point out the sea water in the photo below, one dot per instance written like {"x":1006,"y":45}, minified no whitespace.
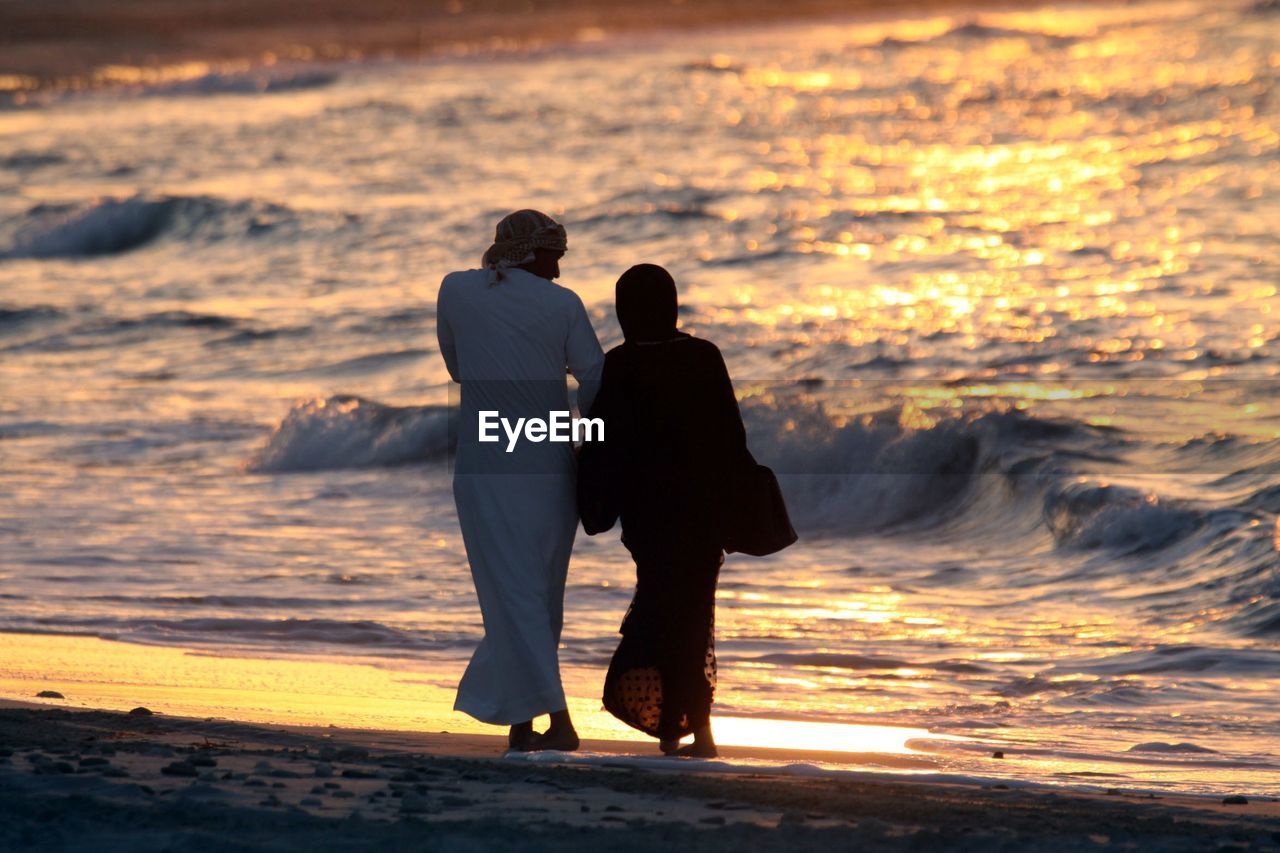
{"x":998,"y":291}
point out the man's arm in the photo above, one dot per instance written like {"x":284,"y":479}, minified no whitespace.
{"x":583,"y":355}
{"x":444,"y":334}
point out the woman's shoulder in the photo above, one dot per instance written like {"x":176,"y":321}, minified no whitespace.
{"x":617,"y":356}
{"x":701,"y":349}
{"x":686,"y":350}
{"x":683,"y":344}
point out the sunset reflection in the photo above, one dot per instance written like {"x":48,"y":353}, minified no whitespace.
{"x":819,"y":737}
{"x":997,"y":289}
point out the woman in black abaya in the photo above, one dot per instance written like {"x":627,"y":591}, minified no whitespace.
{"x":674,"y":449}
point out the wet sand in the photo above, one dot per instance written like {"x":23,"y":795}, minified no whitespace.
{"x":78,"y":779}
{"x":89,"y":42}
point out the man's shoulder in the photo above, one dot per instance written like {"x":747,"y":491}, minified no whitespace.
{"x":461,"y":278}
{"x":561,"y":293}
{"x":565,"y":300}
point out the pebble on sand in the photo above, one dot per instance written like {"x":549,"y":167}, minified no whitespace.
{"x":49,"y":694}
{"x":180,"y":768}
{"x":1235,"y":800}
{"x":141,"y":712}
{"x":997,"y":754}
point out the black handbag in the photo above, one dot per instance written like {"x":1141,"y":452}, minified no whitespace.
{"x":758,"y":520}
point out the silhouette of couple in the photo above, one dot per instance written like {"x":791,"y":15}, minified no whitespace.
{"x":673,"y":455}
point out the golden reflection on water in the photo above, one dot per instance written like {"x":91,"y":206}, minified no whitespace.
{"x":1055,"y":186}
{"x":827,"y":737}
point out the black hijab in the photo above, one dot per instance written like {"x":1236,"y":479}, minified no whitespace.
{"x":646,"y":304}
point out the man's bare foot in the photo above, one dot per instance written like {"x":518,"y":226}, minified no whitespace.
{"x":521,"y":736}
{"x":563,"y":740}
{"x":560,"y":736}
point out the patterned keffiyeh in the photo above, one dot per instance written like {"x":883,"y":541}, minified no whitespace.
{"x":518,"y":234}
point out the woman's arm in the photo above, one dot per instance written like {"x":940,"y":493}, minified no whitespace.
{"x":600,"y":474}
{"x":730,"y":433}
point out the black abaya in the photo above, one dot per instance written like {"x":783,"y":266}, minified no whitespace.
{"x":674,"y":449}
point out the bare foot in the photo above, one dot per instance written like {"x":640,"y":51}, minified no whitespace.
{"x":698,"y":749}
{"x":521,"y":737}
{"x":669,"y":747}
{"x":560,"y":741}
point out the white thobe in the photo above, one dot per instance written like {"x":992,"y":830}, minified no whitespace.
{"x":509,"y":345}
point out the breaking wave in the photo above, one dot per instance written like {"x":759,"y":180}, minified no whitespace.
{"x":113,"y":226}
{"x":1005,"y":471}
{"x":349,"y":432}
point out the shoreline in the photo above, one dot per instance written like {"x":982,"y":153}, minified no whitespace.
{"x":371,"y":695}
{"x":100,"y":43}
{"x":115,"y":781}
{"x":384,"y":702}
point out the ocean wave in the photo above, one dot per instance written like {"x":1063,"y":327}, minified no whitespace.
{"x":245,"y":602}
{"x":243,"y":631}
{"x":866,"y":475}
{"x":832,"y":660}
{"x":1186,"y":659}
{"x":1006,"y":475}
{"x":974,"y":30}
{"x":1000,"y":473}
{"x":162,"y":319}
{"x":105,"y":227}
{"x":113,"y":226}
{"x":28,"y":429}
{"x":634,"y":216}
{"x":11,"y":318}
{"x":26,"y":161}
{"x":1265,"y":620}
{"x":349,"y":432}
{"x":1183,"y":748}
{"x":1089,"y":515}
{"x":108,"y":331}
{"x":255,"y":82}
{"x":366,"y":363}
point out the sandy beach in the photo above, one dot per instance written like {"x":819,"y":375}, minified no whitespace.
{"x":75,"y":779}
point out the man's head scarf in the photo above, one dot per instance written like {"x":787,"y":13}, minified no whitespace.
{"x":517,"y":235}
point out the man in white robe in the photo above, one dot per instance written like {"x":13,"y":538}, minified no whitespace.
{"x":507,"y":334}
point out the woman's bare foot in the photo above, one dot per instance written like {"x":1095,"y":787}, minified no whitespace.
{"x":698,"y":750}
{"x":521,"y":736}
{"x":669,"y":747}
{"x":703,"y":746}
